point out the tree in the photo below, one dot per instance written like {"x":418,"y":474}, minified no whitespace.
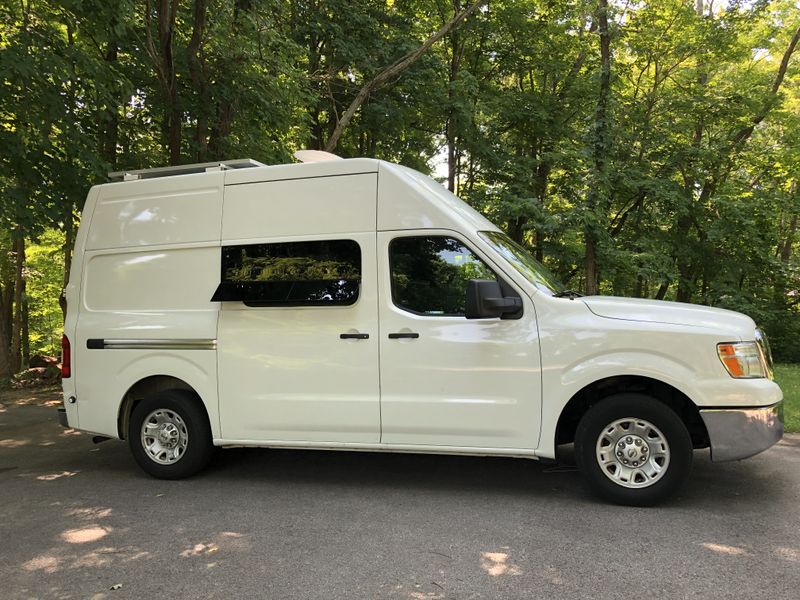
{"x":645,"y":149}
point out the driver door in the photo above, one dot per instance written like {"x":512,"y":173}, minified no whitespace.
{"x":446,"y":380}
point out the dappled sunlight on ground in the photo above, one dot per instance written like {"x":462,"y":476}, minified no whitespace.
{"x":85,"y":535}
{"x":13,"y":443}
{"x":426,"y":596}
{"x":64,"y":556}
{"x":497,"y":564}
{"x":44,"y":562}
{"x":40,"y":396}
{"x":790,"y":554}
{"x":54,"y":476}
{"x":552,"y":575}
{"x":105,"y":556}
{"x":416,"y":593}
{"x":57,"y":560}
{"x":724,"y":549}
{"x":199,"y":549}
{"x":92,"y":513}
{"x":80,"y":519}
{"x":226,"y":540}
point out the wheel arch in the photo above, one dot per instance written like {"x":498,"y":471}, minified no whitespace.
{"x":145,"y":387}
{"x":595,"y":392}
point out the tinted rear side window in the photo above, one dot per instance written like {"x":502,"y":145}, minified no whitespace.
{"x":317,"y":273}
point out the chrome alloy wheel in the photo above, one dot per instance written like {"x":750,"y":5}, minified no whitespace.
{"x":164,"y":436}
{"x":632,"y":452}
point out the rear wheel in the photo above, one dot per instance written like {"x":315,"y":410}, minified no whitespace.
{"x":169,"y":435}
{"x":633,"y":449}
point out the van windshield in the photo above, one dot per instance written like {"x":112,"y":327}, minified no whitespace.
{"x":523,"y":261}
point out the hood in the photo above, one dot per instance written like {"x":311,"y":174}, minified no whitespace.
{"x":726,"y":322}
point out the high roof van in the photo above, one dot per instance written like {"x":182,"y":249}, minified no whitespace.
{"x":357,"y":304}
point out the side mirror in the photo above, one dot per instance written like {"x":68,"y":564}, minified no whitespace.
{"x":485,"y":300}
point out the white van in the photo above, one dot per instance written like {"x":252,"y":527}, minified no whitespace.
{"x":358,"y":305}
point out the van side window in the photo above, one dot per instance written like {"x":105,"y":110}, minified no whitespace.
{"x":430,"y":274}
{"x":317,"y":273}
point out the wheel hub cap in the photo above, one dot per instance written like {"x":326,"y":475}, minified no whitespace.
{"x":164,"y":436}
{"x":632,"y":452}
{"x":168,"y":435}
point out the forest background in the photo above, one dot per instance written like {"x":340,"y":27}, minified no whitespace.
{"x":638,"y":148}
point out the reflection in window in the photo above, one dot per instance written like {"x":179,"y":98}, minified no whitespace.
{"x":292,"y":273}
{"x":430,"y":274}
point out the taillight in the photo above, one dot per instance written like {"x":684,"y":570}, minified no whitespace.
{"x":66,"y":358}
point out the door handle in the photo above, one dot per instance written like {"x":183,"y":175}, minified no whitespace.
{"x":400,"y":336}
{"x":353,"y":336}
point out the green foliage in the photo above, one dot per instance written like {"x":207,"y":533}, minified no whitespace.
{"x":788,"y":377}
{"x":686,"y":181}
{"x":45,"y":276}
{"x":293,"y":268}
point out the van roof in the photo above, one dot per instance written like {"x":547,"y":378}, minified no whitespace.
{"x":156,"y":172}
{"x":246,"y":170}
{"x":327,"y":168}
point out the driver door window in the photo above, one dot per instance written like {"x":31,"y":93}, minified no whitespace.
{"x":430,"y":274}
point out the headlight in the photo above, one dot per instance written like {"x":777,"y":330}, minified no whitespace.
{"x":743,"y":360}
{"x":766,"y":352}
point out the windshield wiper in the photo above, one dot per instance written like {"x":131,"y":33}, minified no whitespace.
{"x":571,"y":294}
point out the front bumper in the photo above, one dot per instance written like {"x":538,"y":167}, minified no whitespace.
{"x":736,"y":433}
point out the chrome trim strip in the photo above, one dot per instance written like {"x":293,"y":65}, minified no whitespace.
{"x":737,"y":433}
{"x":163,"y":344}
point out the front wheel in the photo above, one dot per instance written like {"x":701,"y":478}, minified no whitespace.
{"x":633,"y":450}
{"x":169,"y":435}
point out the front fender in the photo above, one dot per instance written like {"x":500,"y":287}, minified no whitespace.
{"x":560,"y":386}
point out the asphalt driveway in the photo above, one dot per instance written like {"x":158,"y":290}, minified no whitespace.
{"x":78,"y":519}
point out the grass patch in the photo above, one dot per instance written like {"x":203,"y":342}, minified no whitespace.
{"x":788,"y":377}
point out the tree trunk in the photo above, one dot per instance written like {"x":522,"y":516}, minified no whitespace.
{"x":394,"y":70}
{"x":166,"y":29}
{"x":5,"y":353}
{"x":590,"y":260}
{"x":19,"y":295}
{"x":69,"y":232}
{"x":542,"y":178}
{"x":221,"y":130}
{"x":197,"y":73}
{"x":597,"y":196}
{"x":516,"y":228}
{"x":785,"y":254}
{"x":6,"y":307}
{"x":786,"y":248}
{"x":109,"y":116}
{"x":26,"y":334}
{"x":7,"y":316}
{"x":638,"y":290}
{"x":457,"y":52}
{"x":162,"y":57}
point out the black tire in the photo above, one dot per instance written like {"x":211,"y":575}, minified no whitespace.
{"x":185,"y":409}
{"x":653,"y":487}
